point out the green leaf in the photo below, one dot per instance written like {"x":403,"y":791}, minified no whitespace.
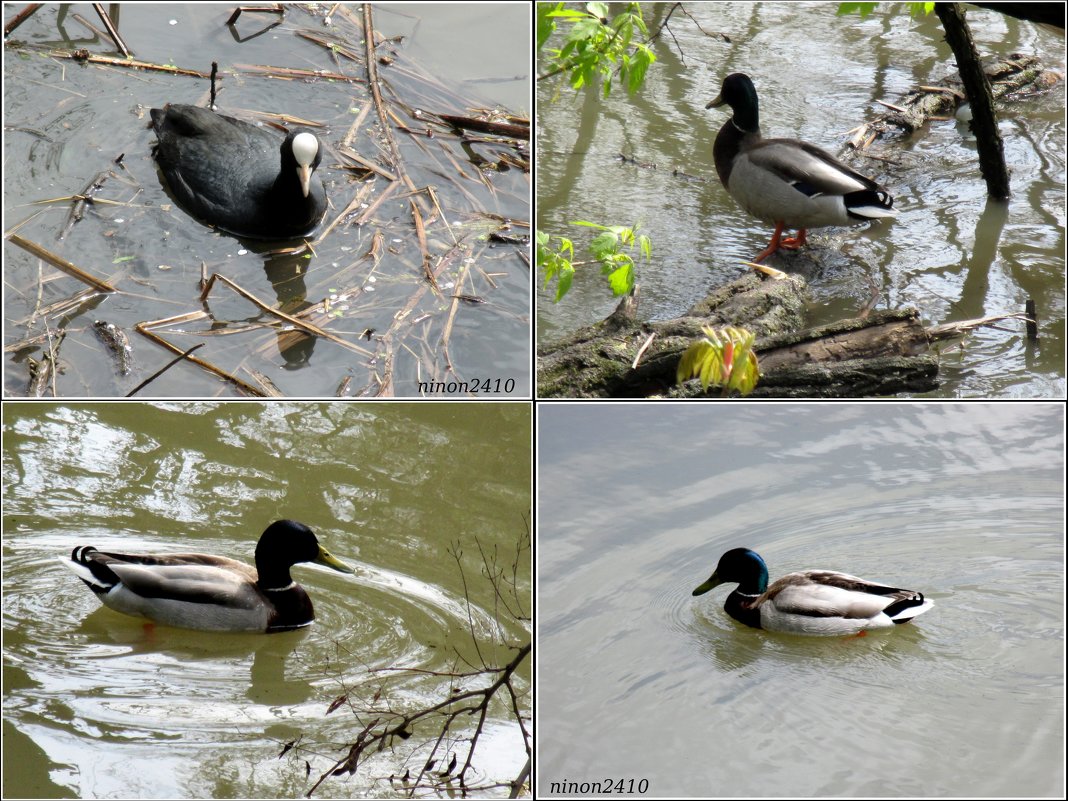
{"x":622,"y":280}
{"x":564,"y":284}
{"x":599,"y":10}
{"x":864,"y":9}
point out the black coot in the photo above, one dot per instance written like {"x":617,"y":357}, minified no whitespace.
{"x":227,"y":173}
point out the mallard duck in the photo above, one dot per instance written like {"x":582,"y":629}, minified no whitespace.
{"x":819,"y":602}
{"x":789,"y":183}
{"x":210,"y":593}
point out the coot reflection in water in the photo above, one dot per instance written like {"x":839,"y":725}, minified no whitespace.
{"x":227,"y":173}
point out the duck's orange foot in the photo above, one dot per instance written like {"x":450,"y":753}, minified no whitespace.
{"x":795,"y":242}
{"x":778,"y":243}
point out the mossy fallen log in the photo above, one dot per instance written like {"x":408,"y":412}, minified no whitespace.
{"x":622,"y":357}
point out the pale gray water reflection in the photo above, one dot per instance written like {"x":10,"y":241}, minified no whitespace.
{"x":639,"y":680}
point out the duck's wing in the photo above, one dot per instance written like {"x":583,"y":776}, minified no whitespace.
{"x":193,"y":578}
{"x":825,"y":593}
{"x":813,"y":169}
{"x":198,"y":584}
{"x":829,"y":187}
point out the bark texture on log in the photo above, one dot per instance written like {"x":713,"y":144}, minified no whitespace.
{"x":620,"y":357}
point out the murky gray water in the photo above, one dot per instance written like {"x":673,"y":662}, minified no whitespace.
{"x":639,"y":680}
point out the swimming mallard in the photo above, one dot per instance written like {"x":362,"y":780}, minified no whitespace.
{"x":820,"y":602}
{"x":789,"y":183}
{"x":211,"y":593}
